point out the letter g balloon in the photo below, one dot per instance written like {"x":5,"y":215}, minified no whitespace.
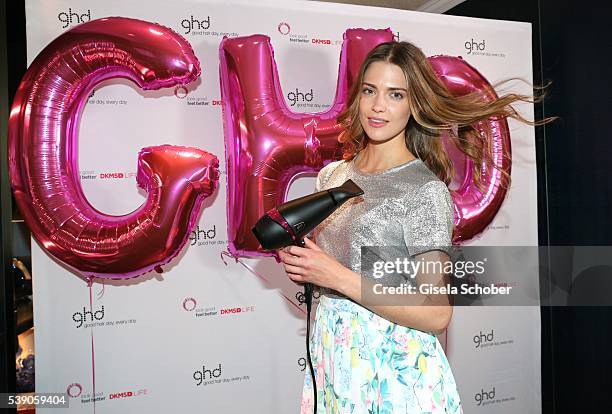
{"x":43,"y":138}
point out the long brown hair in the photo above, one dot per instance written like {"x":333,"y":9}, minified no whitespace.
{"x":433,"y":110}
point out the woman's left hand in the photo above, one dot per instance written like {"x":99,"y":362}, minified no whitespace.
{"x":311,"y":264}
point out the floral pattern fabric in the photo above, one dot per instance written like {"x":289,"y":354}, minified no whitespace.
{"x":365,"y":364}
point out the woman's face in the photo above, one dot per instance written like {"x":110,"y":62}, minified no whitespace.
{"x":383,"y":106}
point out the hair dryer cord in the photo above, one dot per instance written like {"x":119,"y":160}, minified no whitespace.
{"x":308,"y":299}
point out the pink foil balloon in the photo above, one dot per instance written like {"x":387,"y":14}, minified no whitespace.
{"x":43,"y":138}
{"x":475,"y":210}
{"x":266,"y":144}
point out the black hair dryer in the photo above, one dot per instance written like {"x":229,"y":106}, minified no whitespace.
{"x":290,"y":222}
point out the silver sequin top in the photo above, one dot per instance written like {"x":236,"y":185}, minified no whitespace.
{"x":407,"y":205}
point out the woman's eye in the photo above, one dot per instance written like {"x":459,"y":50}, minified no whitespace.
{"x":397,"y":95}
{"x":367,"y":91}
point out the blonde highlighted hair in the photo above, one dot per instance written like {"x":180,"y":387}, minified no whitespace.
{"x":434,"y":110}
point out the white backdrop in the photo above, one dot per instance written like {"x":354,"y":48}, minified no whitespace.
{"x":154,"y":337}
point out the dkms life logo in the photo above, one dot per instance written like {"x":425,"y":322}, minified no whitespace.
{"x":72,"y":17}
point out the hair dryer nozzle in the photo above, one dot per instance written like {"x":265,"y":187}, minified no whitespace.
{"x":347,"y":190}
{"x":270,"y":233}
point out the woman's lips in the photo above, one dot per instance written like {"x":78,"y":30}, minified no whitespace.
{"x":376,"y":123}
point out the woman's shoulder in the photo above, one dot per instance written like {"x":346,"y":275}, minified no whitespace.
{"x":427,"y":188}
{"x":420,"y":174}
{"x":435,"y":189}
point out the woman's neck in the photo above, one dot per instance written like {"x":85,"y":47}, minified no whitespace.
{"x":380,"y":157}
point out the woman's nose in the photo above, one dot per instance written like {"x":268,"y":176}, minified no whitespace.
{"x":379,"y":103}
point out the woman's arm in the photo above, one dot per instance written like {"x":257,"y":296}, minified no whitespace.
{"x":428,"y":313}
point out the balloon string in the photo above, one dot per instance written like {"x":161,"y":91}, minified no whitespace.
{"x":266,"y":281}
{"x":101,"y":293}
{"x":93,"y":362}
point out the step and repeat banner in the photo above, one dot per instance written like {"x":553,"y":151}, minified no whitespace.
{"x":213,"y":334}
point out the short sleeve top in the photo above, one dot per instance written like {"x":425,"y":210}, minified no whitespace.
{"x":407,"y":205}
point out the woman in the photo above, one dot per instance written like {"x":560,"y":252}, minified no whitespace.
{"x":369,"y":356}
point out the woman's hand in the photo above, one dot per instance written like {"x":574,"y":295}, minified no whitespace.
{"x":311,"y":264}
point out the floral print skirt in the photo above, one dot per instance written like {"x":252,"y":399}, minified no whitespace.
{"x":367,"y":365}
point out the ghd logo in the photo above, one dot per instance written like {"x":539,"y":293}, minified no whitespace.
{"x":73,"y":17}
{"x":204,"y":374}
{"x":297,"y":96}
{"x":473,"y":46}
{"x":194,"y":24}
{"x":87,"y":316}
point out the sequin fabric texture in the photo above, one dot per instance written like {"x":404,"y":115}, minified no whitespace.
{"x":364,"y":363}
